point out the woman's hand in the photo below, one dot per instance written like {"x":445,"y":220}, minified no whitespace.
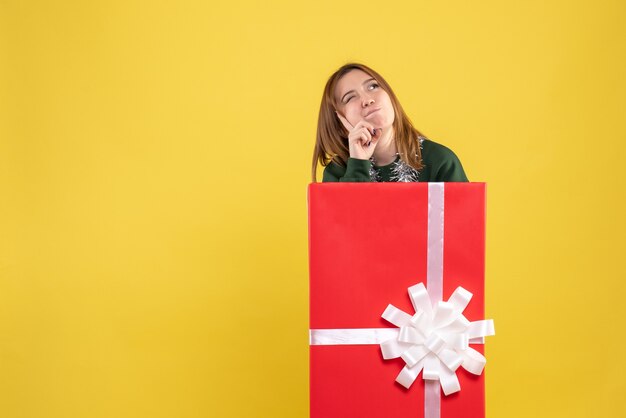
{"x":362,"y":138}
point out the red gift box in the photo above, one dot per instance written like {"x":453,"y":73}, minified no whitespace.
{"x":368,"y":243}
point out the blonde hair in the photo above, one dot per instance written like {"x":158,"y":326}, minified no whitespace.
{"x":331,"y":143}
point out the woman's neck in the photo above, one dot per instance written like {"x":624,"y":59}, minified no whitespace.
{"x":385,"y":152}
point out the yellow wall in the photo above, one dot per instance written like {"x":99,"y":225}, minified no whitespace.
{"x":154,"y":158}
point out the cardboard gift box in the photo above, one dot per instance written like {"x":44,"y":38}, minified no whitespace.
{"x":368,"y":244}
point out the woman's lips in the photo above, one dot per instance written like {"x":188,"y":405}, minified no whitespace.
{"x":372,"y":112}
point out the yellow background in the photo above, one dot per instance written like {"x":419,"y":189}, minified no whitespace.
{"x":154,"y":158}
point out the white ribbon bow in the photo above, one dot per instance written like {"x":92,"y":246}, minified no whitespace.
{"x":436,"y":341}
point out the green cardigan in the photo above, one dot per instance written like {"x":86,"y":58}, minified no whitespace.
{"x":440,"y":164}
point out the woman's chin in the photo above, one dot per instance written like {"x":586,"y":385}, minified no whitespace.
{"x":378,"y":121}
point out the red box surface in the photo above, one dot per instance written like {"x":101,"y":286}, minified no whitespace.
{"x":367,"y":246}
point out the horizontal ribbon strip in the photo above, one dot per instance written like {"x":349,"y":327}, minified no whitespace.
{"x":351,"y":336}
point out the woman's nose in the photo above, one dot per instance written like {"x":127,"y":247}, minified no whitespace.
{"x":368,"y":101}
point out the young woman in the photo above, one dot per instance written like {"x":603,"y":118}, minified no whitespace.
{"x":363,"y":135}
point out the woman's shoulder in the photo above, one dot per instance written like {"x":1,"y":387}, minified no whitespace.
{"x":440,"y":163}
{"x":435,"y":152}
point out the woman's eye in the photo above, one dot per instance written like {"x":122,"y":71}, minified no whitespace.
{"x":373,"y":85}
{"x":349,"y":98}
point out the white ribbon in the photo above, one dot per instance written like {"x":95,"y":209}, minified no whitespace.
{"x":435,"y":340}
{"x":434,"y":280}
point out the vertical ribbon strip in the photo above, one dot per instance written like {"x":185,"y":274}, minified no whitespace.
{"x":434,"y":266}
{"x":434,"y":281}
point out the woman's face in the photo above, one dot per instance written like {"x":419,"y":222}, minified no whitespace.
{"x":359,"y":97}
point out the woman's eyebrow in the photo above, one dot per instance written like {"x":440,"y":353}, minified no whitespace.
{"x":352,"y":91}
